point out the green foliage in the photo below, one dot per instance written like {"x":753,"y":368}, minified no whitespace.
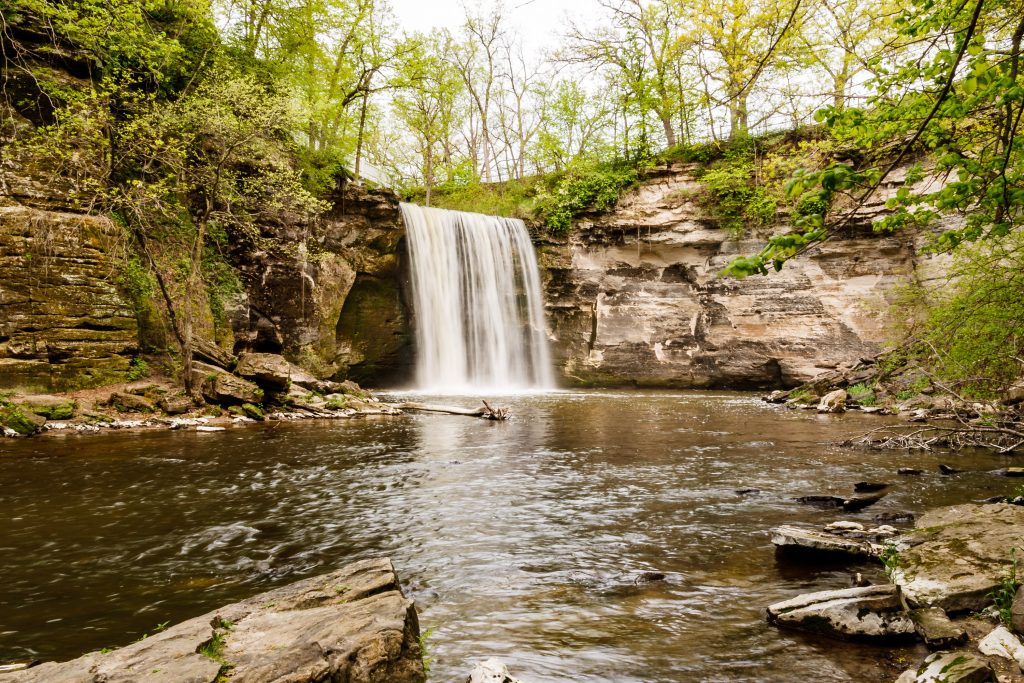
{"x":890,"y":557}
{"x":137,"y":369}
{"x":1002,"y":597}
{"x":428,"y":659}
{"x":582,"y":189}
{"x":735,"y":200}
{"x":969,"y":332}
{"x":862,"y":394}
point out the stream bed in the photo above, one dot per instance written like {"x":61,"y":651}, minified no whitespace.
{"x":521,"y":540}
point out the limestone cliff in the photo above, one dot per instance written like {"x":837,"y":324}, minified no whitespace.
{"x":634,"y":297}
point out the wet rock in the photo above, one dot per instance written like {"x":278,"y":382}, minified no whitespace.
{"x":789,"y":538}
{"x":124,"y":402}
{"x":351,"y":625}
{"x":1017,"y":611}
{"x":649,"y":577}
{"x":833,"y":402}
{"x":957,"y":555}
{"x":1015,"y":471}
{"x":821,"y":501}
{"x":873,"y":612}
{"x":947,"y":470}
{"x":869,"y":487}
{"x":268,"y":370}
{"x":893,"y":517}
{"x":908,"y":472}
{"x":747,"y":492}
{"x":952,"y":667}
{"x":855,"y":503}
{"x":491,"y":671}
{"x":935,"y":628}
{"x":1001,"y":643}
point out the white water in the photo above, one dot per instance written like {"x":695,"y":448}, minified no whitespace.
{"x":477,"y":303}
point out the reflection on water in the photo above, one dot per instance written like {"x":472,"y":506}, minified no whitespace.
{"x":521,"y":540}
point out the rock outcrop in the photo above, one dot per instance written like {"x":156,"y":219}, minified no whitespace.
{"x":351,"y":625}
{"x":634,"y":298}
{"x":957,"y":556}
{"x":870,"y":612}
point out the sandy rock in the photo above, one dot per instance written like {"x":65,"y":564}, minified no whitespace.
{"x":350,"y":625}
{"x":957,"y":555}
{"x":130,"y":403}
{"x":225,"y":388}
{"x":49,"y":406}
{"x":175,"y":405}
{"x":833,"y":402}
{"x":874,"y":612}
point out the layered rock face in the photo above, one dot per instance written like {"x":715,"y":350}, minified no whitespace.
{"x":63,"y":322}
{"x":329,"y":294}
{"x":634,"y":296}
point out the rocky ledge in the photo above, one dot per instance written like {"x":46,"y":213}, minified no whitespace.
{"x":352,"y":625}
{"x":955,"y":586}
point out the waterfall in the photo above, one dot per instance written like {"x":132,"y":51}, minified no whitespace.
{"x":477,"y":302}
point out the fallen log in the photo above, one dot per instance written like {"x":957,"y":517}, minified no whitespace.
{"x":485,"y":411}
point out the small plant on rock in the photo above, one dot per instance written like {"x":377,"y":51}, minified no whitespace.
{"x":890,"y":557}
{"x":1002,"y":596}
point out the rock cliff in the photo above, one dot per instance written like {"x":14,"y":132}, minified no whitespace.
{"x":634,"y":297}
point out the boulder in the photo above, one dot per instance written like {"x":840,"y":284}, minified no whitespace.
{"x":351,"y":625}
{"x":491,"y":671}
{"x":1017,"y":611}
{"x":49,"y":406}
{"x":123,"y":402}
{"x":175,"y":405}
{"x":17,"y":420}
{"x":789,"y":538}
{"x":208,"y":352}
{"x":956,"y":556}
{"x":226,"y":388}
{"x":268,"y":370}
{"x":935,"y":628}
{"x":1001,"y":643}
{"x":871,"y":612}
{"x":833,"y":402}
{"x":953,"y":667}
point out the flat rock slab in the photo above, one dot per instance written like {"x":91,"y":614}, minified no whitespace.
{"x":1001,"y":643}
{"x":791,"y":538}
{"x":351,"y":625}
{"x":957,"y":555}
{"x":936,"y":629}
{"x":871,"y":612}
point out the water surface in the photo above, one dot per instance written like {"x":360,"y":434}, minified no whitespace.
{"x":520,"y":540}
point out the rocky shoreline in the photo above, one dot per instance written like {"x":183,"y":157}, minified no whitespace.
{"x":953,"y":585}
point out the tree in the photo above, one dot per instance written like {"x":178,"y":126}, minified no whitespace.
{"x":429,"y":105}
{"x":739,"y":43}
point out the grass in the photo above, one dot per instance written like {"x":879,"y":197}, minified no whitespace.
{"x":1002,"y":597}
{"x":428,"y":659}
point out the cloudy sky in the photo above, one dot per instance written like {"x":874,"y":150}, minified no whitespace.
{"x":539,"y":22}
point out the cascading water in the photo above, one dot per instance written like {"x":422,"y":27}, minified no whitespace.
{"x":477,"y":302}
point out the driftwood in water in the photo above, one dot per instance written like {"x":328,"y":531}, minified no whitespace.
{"x":485,"y":411}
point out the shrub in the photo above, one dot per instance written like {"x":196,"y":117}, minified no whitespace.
{"x":735,"y":200}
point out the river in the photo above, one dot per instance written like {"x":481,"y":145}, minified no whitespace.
{"x":521,"y":540}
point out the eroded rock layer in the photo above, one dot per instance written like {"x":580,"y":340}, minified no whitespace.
{"x":634,"y":296}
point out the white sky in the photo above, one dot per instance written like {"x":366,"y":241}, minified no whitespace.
{"x":538,"y":22}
